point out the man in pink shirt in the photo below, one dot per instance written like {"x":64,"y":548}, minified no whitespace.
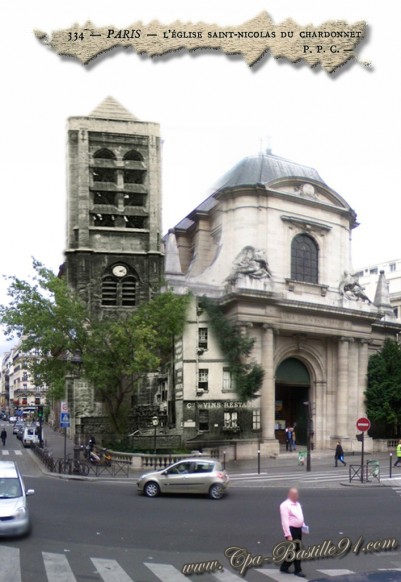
{"x":292,"y":522}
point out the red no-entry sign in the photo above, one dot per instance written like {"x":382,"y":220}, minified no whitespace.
{"x":363,"y":424}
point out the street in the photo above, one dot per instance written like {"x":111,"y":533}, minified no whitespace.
{"x":85,"y":530}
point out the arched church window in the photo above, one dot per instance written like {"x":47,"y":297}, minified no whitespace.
{"x":104,"y":154}
{"x":304,"y":259}
{"x":133,"y":156}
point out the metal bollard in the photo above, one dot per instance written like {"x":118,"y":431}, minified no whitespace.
{"x":224,"y":459}
{"x":391,"y":465}
{"x":258,"y":461}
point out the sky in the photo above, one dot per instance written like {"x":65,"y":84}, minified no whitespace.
{"x":213,"y":111}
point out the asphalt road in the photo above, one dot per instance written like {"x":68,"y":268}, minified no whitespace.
{"x":76,"y":523}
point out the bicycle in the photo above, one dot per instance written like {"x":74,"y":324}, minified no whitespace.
{"x":73,"y":466}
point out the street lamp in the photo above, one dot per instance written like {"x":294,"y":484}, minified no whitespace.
{"x":308,"y":435}
{"x":155,"y":422}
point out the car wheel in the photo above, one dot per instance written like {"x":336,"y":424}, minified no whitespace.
{"x":151,"y":489}
{"x":216,"y":491}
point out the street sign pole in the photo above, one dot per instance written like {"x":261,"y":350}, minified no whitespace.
{"x":65,"y":444}
{"x":362,"y":424}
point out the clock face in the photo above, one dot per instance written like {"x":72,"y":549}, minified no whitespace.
{"x":119,"y":271}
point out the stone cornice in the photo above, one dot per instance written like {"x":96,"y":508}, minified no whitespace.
{"x":305,"y":224}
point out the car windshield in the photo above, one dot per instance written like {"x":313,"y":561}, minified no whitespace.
{"x":10,"y":488}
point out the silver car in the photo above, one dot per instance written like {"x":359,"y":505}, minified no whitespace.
{"x":195,"y":475}
{"x":14,"y":513}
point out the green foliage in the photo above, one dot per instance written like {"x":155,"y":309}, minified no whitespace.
{"x":383,"y":394}
{"x":236,"y":347}
{"x":113,"y":354}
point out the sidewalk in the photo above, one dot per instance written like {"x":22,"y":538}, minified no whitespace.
{"x":54,"y":441}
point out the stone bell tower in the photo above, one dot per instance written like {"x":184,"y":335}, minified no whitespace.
{"x":113,"y":252}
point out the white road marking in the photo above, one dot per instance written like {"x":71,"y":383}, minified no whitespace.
{"x":57,"y":568}
{"x":226,"y":576}
{"x":5,"y":453}
{"x":18,"y":452}
{"x":10,"y":564}
{"x":338,"y":572}
{"x":110,"y":570}
{"x":167,"y":573}
{"x":279,"y":576}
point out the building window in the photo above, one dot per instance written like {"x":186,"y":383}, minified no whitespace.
{"x":231,"y":419}
{"x":109,"y":291}
{"x":104,"y":175}
{"x":393,"y":267}
{"x":104,"y":154}
{"x":134,"y":199}
{"x":304,"y":259}
{"x":228,"y":382}
{"x":133,"y":156}
{"x":359,"y":274}
{"x":202,"y":338}
{"x":134,"y":176}
{"x":374,"y":271}
{"x":135,"y":221}
{"x":37,"y":400}
{"x":203,"y":379}
{"x":396,"y":312}
{"x":203,"y":420}
{"x":256,"y":419}
{"x":103,"y":197}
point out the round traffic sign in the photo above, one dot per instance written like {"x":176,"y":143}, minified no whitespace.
{"x":363,"y":424}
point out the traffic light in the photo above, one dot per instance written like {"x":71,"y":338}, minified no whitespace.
{"x":40,"y":412}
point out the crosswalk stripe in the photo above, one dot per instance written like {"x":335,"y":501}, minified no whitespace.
{"x":110,"y":570}
{"x":277,"y":575}
{"x":5,"y":453}
{"x":338,"y":572}
{"x":57,"y":568}
{"x":167,"y":573}
{"x":226,"y":576}
{"x":10,"y":564}
{"x":18,"y":452}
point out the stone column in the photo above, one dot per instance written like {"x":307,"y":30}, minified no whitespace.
{"x":268,"y":392}
{"x":342,"y":388}
{"x":362,"y":376}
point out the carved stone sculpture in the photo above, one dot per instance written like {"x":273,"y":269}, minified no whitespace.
{"x":252,"y":263}
{"x":350,"y":288}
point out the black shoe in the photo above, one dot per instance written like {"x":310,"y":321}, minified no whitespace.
{"x":300,"y":574}
{"x":284,"y":570}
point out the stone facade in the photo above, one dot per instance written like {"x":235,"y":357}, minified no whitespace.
{"x":272,"y":245}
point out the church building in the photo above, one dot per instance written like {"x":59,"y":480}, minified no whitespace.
{"x":272,"y":246}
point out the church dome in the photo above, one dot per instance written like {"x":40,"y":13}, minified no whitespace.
{"x":265,"y":169}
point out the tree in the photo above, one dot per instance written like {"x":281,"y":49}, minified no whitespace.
{"x":113,"y":354}
{"x":383,"y":394}
{"x":236,"y":347}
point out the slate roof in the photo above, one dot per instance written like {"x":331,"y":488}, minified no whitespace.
{"x":261,"y":169}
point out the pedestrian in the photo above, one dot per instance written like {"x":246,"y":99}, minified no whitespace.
{"x":339,"y":455}
{"x":3,"y":436}
{"x":398,"y":453}
{"x":292,"y":522}
{"x":288,"y":437}
{"x":294,"y":440}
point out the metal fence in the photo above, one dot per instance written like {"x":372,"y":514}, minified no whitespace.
{"x":365,"y":473}
{"x":71,"y":466}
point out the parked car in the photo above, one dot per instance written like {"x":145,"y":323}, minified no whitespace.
{"x":12,"y":419}
{"x":17,"y":426}
{"x":14,"y":513}
{"x":20,"y":432}
{"x":30,"y":435}
{"x":194,"y":475}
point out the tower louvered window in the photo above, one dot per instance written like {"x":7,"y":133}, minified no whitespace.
{"x":109,"y":291}
{"x":128,"y":291}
